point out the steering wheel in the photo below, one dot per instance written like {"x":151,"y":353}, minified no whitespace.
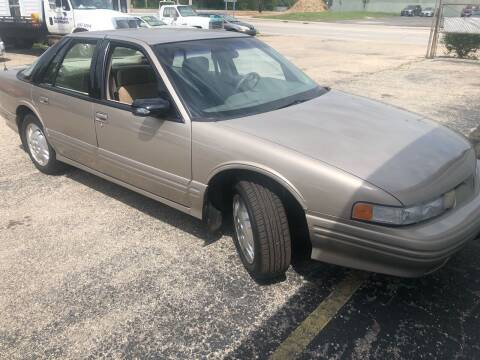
{"x":248,"y":82}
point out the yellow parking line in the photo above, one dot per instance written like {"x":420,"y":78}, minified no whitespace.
{"x":299,"y":339}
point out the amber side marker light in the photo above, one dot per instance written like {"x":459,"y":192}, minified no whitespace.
{"x":35,"y":18}
{"x":362,"y":212}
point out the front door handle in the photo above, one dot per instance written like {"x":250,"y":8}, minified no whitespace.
{"x":101,"y":118}
{"x":43,"y":100}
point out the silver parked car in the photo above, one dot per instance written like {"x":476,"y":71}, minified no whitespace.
{"x":428,"y":12}
{"x":218,"y":124}
{"x":231,"y":23}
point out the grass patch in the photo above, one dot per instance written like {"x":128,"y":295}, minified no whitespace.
{"x":328,"y":16}
{"x":40,"y":46}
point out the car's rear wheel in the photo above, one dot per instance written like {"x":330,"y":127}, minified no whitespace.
{"x":41,"y":153}
{"x":261,"y":231}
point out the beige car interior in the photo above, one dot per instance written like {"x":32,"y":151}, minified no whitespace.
{"x":131,"y":78}
{"x":136,"y":83}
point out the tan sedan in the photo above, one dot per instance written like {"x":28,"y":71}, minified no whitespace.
{"x":219,"y":125}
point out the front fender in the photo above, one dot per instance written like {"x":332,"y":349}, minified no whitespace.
{"x":318,"y":187}
{"x":264,"y":170}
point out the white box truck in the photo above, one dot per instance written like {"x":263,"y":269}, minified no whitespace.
{"x":23,"y":22}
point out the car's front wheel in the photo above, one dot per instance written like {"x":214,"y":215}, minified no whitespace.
{"x":261,"y":230}
{"x":41,"y":153}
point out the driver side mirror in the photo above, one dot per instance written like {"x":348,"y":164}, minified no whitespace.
{"x":151,"y":107}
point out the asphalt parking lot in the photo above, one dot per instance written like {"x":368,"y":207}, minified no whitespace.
{"x":89,"y":269}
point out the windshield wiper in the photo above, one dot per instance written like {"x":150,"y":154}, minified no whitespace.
{"x":296,"y":102}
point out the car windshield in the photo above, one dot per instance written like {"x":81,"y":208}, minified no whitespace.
{"x":428,"y":9}
{"x":411,"y":7}
{"x":186,"y":11}
{"x":220,"y":79}
{"x":153,"y":21}
{"x":230,"y":18}
{"x":92,"y":4}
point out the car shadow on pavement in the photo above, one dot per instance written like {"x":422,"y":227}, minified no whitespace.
{"x":308,"y":269}
{"x":144,"y":204}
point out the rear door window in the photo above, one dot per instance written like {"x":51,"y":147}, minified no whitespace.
{"x":73,"y":71}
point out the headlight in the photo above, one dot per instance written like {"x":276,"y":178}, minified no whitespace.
{"x":390,"y":215}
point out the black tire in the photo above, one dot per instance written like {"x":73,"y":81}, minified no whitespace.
{"x":53,"y":166}
{"x":24,"y":44}
{"x":271,"y":234}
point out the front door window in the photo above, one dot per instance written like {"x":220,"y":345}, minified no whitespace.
{"x":131,"y":77}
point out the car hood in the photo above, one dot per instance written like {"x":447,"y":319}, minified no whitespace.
{"x":409,"y":157}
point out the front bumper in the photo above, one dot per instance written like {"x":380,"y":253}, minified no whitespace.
{"x":251,"y":32}
{"x":401,"y":251}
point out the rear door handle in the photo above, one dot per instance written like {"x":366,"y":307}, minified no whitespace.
{"x":43,"y":100}
{"x":101,"y":118}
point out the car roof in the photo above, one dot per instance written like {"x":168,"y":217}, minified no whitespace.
{"x":159,"y":36}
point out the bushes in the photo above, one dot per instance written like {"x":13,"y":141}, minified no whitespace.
{"x":463,"y":45}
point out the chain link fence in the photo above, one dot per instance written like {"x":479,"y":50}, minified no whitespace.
{"x":455,"y":30}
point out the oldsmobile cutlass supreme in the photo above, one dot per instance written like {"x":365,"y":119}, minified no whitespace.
{"x":220,"y":125}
